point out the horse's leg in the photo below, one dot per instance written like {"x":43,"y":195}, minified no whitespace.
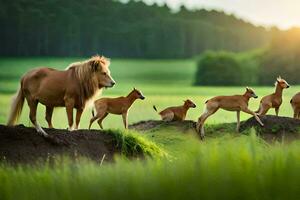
{"x":49,"y":112}
{"x":276,"y":111}
{"x":78,"y":116}
{"x":69,"y":108}
{"x":32,"y":115}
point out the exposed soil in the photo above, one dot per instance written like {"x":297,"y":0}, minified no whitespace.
{"x":275,"y":128}
{"x":21,"y":144}
{"x":153,"y":125}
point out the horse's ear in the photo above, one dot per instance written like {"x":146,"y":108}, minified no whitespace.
{"x":94,"y":65}
{"x":247,"y":88}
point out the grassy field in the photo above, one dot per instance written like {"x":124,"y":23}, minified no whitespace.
{"x":223,"y":167}
{"x":163,"y":82}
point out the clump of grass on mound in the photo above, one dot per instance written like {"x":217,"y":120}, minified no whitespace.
{"x":134,"y":145}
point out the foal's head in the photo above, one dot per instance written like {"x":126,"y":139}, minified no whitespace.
{"x":282,"y":83}
{"x":137,"y":94}
{"x":250,"y":93}
{"x":189,"y":103}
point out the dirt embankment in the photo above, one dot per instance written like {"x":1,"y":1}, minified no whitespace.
{"x":21,"y":144}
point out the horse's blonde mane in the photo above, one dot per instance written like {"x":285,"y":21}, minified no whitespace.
{"x":88,"y":82}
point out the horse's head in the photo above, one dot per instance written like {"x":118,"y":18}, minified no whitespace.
{"x":100,"y":68}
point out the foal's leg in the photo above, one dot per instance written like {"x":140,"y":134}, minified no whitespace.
{"x":296,"y":113}
{"x":49,"y":112}
{"x":78,"y":116}
{"x":32,"y":115}
{"x":264,"y":109}
{"x":101,"y":119}
{"x":246,"y":110}
{"x":238,"y":121}
{"x":92,"y":120}
{"x":210,"y":110}
{"x":259,"y":108}
{"x":125,"y":119}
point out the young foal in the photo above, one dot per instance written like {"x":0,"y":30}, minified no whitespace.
{"x":118,"y":106}
{"x":295,"y":103}
{"x":177,"y":113}
{"x":230,"y":103}
{"x":273,"y":100}
{"x":70,"y":88}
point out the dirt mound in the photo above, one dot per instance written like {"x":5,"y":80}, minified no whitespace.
{"x":20,"y":144}
{"x":153,"y":125}
{"x":274,"y":127}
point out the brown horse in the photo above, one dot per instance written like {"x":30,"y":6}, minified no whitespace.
{"x":71,"y":88}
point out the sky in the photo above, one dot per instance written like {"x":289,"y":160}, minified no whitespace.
{"x":281,"y":13}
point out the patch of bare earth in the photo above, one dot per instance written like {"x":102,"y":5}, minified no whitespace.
{"x":21,"y":144}
{"x":275,"y":128}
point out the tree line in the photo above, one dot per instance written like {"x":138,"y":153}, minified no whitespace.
{"x":115,"y":29}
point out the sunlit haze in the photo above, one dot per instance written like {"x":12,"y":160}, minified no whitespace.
{"x":282,"y":13}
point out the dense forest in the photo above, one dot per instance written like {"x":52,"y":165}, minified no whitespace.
{"x":87,"y":27}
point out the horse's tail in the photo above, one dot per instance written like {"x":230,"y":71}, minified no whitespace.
{"x":16,"y":108}
{"x":155,"y":108}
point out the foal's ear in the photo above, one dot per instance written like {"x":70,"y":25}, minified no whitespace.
{"x":94,"y":65}
{"x":278,"y":79}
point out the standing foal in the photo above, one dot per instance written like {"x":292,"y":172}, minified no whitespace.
{"x":273,"y":100}
{"x":230,"y":103}
{"x":117,"y":106}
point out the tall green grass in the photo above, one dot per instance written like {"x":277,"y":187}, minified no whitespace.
{"x":224,"y":168}
{"x":132,"y":144}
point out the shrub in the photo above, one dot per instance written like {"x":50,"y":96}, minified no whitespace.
{"x":219,"y":68}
